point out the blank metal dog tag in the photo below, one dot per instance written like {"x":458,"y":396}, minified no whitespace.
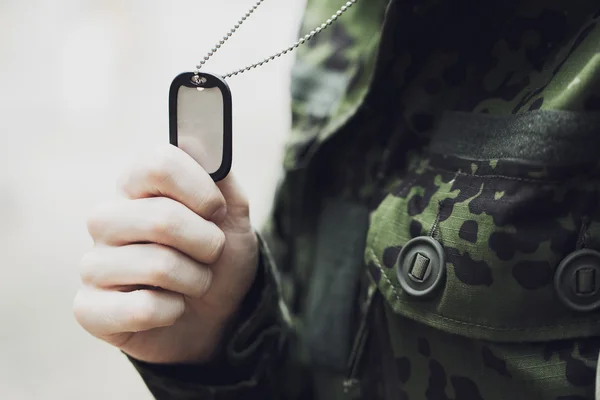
{"x":200,"y":120}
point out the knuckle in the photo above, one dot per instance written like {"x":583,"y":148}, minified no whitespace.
{"x":203,"y":282}
{"x":167,"y":221}
{"x":209,"y":199}
{"x":159,"y":276}
{"x":166,"y":268}
{"x":215,"y":246}
{"x":124,"y":183}
{"x":177,"y":311}
{"x":145,"y":312}
{"x":162,"y":166}
{"x":152,"y":310}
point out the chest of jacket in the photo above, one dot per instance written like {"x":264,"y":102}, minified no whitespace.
{"x":491,"y":154}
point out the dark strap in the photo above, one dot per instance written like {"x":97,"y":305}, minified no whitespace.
{"x":389,"y":371}
{"x":550,"y":137}
{"x":332,"y":298}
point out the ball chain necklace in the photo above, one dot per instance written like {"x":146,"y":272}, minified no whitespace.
{"x":200,"y":110}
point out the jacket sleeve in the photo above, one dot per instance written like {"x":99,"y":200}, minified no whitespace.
{"x":251,"y":354}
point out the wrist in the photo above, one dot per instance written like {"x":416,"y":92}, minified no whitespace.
{"x":214,"y":348}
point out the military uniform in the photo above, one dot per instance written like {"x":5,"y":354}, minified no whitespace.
{"x":437,"y":231}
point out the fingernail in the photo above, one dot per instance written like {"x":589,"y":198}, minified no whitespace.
{"x":219,"y":215}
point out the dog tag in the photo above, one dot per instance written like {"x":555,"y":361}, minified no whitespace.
{"x":200,"y":120}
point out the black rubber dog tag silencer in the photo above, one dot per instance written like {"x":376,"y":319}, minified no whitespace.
{"x":200,"y":120}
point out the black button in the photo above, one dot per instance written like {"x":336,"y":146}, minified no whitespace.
{"x":421,"y":266}
{"x":577,"y":280}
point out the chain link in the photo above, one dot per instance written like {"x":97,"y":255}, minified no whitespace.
{"x":292,"y":47}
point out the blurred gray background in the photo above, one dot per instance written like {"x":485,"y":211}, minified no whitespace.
{"x":83,"y":90}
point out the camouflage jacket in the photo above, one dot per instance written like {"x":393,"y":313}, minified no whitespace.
{"x":437,"y":231}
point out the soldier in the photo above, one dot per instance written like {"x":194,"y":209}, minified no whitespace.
{"x":436,"y":234}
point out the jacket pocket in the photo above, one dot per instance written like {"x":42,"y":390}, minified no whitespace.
{"x":508,"y":199}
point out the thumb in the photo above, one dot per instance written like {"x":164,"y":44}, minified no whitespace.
{"x":238,"y":209}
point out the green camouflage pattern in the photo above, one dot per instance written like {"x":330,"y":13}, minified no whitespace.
{"x":434,"y":365}
{"x":504,"y":226}
{"x":497,"y":329}
{"x":368,"y":97}
{"x":332,"y":72}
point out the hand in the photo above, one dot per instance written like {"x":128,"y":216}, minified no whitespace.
{"x":171,"y":261}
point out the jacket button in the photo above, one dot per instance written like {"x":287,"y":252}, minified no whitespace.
{"x":421,"y":266}
{"x":577,"y":280}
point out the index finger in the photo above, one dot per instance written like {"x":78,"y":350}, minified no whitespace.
{"x":171,"y":172}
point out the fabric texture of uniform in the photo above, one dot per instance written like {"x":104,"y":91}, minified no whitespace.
{"x":475,"y":123}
